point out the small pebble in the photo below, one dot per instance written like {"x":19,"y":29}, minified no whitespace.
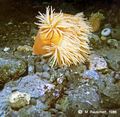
{"x":19,"y":99}
{"x":56,"y":93}
{"x":30,"y":69}
{"x":94,"y":39}
{"x":58,"y":107}
{"x":116,"y":75}
{"x":46,"y":67}
{"x":6,"y":49}
{"x":9,"y":23}
{"x":67,"y":74}
{"x":66,"y":92}
{"x":43,"y":99}
{"x":106,"y":32}
{"x":33,"y":101}
{"x":113,"y":43}
{"x":24,"y":48}
{"x":103,"y":38}
{"x":91,"y":74}
{"x":60,"y":114}
{"x":60,"y":80}
{"x":53,"y":111}
{"x":97,"y":63}
{"x":46,"y":75}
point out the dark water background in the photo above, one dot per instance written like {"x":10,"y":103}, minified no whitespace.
{"x":26,"y":10}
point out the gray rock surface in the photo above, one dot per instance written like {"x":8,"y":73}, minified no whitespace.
{"x":84,"y":97}
{"x":97,"y":62}
{"x":11,"y":69}
{"x":19,"y":99}
{"x":91,"y":74}
{"x":113,"y":43}
{"x":111,"y":56}
{"x":110,"y":94}
{"x":30,"y":111}
{"x":32,"y":85}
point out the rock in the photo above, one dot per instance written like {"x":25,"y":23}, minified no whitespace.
{"x":33,"y":101}
{"x":33,"y":30}
{"x":46,"y":67}
{"x":31,"y":65}
{"x":94,"y":40}
{"x":106,"y":32}
{"x":6,"y":49}
{"x":100,"y":83}
{"x":60,"y":80}
{"x":91,"y":74}
{"x":67,"y":74}
{"x":46,"y":75}
{"x":19,"y":99}
{"x":116,"y":75}
{"x":55,"y":94}
{"x":64,"y":102}
{"x":60,"y":114}
{"x":103,"y":38}
{"x":116,"y":33}
{"x":84,"y":97}
{"x":111,"y":96}
{"x":112,"y":91}
{"x":113,"y":43}
{"x":30,"y":111}
{"x":53,"y":75}
{"x":32,"y":85}
{"x":53,"y":110}
{"x":79,"y":69}
{"x":24,"y":48}
{"x":11,"y":69}
{"x":58,"y":107}
{"x":109,"y":91}
{"x":57,"y":73}
{"x":97,"y":63}
{"x":9,"y":23}
{"x":113,"y":64}
{"x":4,"y":100}
{"x":111,"y":56}
{"x":39,"y":66}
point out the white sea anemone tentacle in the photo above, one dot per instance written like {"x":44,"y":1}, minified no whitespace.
{"x":62,"y":37}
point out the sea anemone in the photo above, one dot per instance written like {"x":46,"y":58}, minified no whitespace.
{"x":95,"y":21}
{"x":62,"y":37}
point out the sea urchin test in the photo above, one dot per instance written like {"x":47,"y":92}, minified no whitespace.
{"x":62,"y":37}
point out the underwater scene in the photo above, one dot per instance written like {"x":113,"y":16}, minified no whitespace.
{"x":59,"y":58}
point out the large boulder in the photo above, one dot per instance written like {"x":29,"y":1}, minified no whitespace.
{"x":32,"y":85}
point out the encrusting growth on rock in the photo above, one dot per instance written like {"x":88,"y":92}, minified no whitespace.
{"x":62,"y":37}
